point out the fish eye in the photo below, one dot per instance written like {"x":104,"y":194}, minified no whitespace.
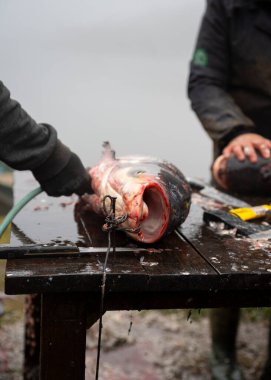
{"x":136,"y":172}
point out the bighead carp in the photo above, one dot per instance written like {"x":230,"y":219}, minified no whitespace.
{"x":153,"y":194}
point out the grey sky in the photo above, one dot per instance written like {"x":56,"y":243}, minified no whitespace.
{"x":107,"y":70}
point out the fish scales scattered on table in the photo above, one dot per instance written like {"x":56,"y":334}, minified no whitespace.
{"x":153,"y":193}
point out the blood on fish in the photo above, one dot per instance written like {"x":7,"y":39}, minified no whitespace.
{"x":153,"y":193}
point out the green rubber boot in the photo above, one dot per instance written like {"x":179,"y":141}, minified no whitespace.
{"x":224,"y":326}
{"x":266,"y":375}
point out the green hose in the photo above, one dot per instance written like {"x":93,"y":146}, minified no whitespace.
{"x":14,"y":211}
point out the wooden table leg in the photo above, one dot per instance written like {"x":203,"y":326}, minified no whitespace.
{"x":63,"y":336}
{"x":32,"y":337}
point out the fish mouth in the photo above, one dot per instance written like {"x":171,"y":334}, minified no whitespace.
{"x":155,"y":224}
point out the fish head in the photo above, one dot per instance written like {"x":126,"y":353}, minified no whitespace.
{"x":153,"y":195}
{"x":145,"y":203}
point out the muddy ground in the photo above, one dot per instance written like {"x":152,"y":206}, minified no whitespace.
{"x":153,"y":345}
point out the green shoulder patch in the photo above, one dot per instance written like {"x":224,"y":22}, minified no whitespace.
{"x":200,"y":57}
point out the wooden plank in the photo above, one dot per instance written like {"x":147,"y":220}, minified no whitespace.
{"x":172,"y":268}
{"x":172,"y":255}
{"x":52,"y":225}
{"x":45,"y":219}
{"x":125,"y":272}
{"x":63,"y":337}
{"x":168,"y":258}
{"x":31,"y":364}
{"x":228,"y":254}
{"x":157,"y":269}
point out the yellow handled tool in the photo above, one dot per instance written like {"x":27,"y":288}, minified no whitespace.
{"x":248,"y":213}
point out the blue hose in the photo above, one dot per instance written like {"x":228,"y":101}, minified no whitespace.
{"x":14,"y":211}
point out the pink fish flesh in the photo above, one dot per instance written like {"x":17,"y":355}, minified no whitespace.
{"x":153,"y":193}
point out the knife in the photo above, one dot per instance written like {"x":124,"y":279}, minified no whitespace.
{"x":213,"y":193}
{"x":252,"y":231}
{"x":54,"y":251}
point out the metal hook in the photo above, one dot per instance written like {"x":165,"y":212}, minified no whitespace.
{"x":111,"y":222}
{"x":112,"y":207}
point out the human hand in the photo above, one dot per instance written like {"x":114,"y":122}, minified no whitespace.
{"x":245,"y":145}
{"x":73,"y":178}
{"x":219,"y":172}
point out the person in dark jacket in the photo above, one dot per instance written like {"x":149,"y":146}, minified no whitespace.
{"x":26,"y":145}
{"x":230,"y":91}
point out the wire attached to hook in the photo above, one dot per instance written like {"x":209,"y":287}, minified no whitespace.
{"x":111,"y":225}
{"x":111,"y":222}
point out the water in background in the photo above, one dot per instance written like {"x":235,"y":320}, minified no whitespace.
{"x":108,"y":70}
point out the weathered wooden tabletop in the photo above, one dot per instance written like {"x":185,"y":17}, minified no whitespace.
{"x":194,"y":267}
{"x":217,"y":270}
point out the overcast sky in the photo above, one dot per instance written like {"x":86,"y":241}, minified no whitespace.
{"x":108,"y":70}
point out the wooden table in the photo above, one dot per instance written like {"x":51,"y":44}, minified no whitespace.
{"x":194,"y":267}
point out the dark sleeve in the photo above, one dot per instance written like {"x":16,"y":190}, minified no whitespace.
{"x":26,"y":145}
{"x":209,"y":78}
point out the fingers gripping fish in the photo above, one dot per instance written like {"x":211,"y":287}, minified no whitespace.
{"x":153,"y":193}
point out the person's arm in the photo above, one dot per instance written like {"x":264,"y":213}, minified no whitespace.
{"x":209,"y":79}
{"x":26,"y":145}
